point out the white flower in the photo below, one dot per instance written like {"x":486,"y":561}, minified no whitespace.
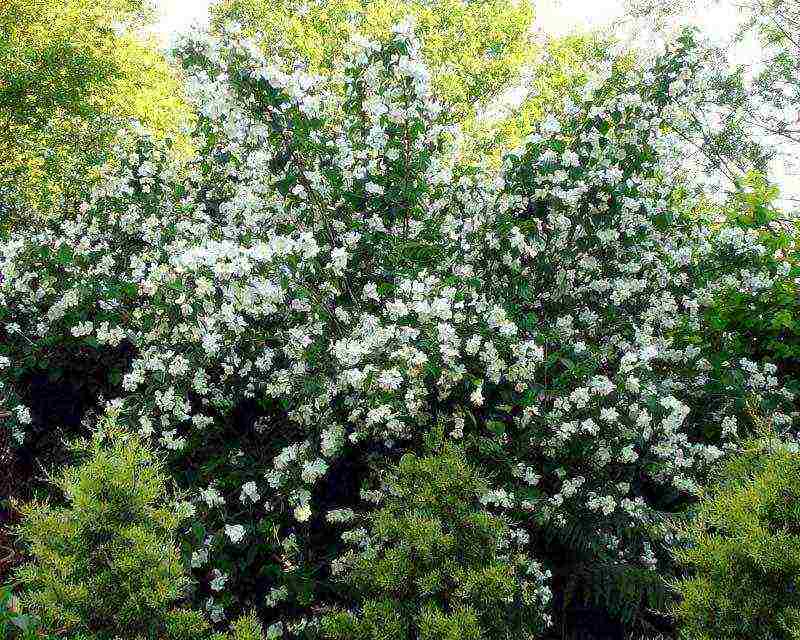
{"x":23,"y":414}
{"x":199,"y":557}
{"x":390,"y":380}
{"x":551,"y":125}
{"x":235,"y":532}
{"x":218,"y":581}
{"x":211,"y":343}
{"x":339,"y":259}
{"x":632,"y":384}
{"x":476,"y":397}
{"x":313,"y":470}
{"x":212,"y":497}
{"x":82,"y":329}
{"x":169,"y":441}
{"x":215,"y":611}
{"x":729,"y":427}
{"x":527,"y":473}
{"x":609,"y":415}
{"x":249,"y":492}
{"x":302,"y":512}
{"x":276,"y":595}
{"x":498,"y":497}
{"x":340,"y":515}
{"x":185,"y":509}
{"x":204,"y":287}
{"x":472,"y":346}
{"x":371,"y":291}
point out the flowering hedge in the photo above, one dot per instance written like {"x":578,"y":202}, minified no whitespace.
{"x":324,"y":286}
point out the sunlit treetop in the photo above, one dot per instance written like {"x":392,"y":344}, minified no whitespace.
{"x":56,"y":53}
{"x":71,"y":73}
{"x":474,"y":49}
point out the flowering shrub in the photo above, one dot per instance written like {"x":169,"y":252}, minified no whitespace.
{"x":324,"y":285}
{"x":742,"y":552}
{"x":755,"y":310}
{"x":494,"y":36}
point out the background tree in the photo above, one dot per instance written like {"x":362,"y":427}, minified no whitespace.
{"x":748,"y":117}
{"x":551,"y":81}
{"x":70,"y":74}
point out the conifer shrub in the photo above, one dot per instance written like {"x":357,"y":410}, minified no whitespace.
{"x":742,"y":552}
{"x":104,"y":563}
{"x":432,"y":562}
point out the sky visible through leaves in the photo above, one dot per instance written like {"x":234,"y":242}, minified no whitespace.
{"x":556,"y":18}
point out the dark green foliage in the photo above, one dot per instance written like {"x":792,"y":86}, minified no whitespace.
{"x":743,"y":553}
{"x":764,"y":324}
{"x":628,"y":595}
{"x":438,"y":565}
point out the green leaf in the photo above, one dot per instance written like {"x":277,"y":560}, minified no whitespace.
{"x":496,"y":427}
{"x":64,"y":255}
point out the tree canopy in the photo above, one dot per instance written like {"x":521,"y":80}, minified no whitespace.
{"x":71,"y":73}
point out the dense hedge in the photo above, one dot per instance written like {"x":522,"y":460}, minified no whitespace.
{"x":350,"y":343}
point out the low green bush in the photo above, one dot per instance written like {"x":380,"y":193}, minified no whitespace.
{"x":742,"y":555}
{"x":433,"y":563}
{"x":105,"y":564}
